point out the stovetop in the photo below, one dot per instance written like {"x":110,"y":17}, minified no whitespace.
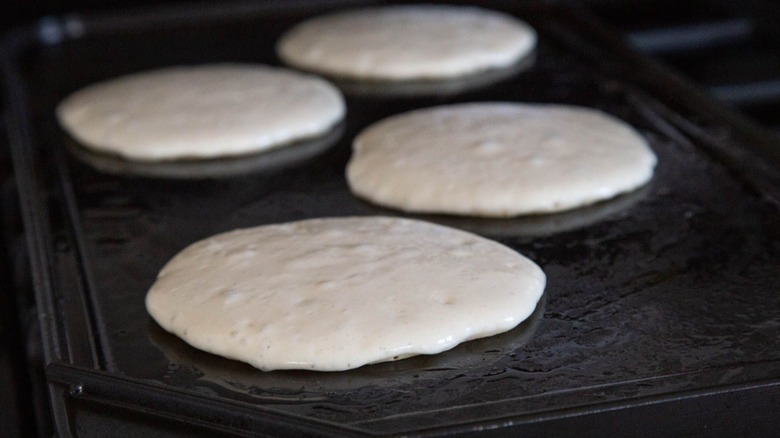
{"x":730,"y":49}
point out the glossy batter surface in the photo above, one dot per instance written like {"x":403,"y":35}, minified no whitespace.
{"x":498,"y":159}
{"x":200,"y":111}
{"x":334,"y":294}
{"x":407,"y":42}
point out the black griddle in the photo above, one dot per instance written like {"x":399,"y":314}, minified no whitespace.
{"x":661,"y":315}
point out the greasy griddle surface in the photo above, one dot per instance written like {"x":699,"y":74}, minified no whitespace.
{"x":668,"y":289}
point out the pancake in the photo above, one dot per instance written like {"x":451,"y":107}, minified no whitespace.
{"x":497,"y":159}
{"x":338,"y":293}
{"x":200,"y":112}
{"x":407,"y":42}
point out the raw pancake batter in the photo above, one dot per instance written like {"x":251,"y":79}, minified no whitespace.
{"x":200,"y":112}
{"x":339,"y":293}
{"x":497,"y":159}
{"x":407,"y":42}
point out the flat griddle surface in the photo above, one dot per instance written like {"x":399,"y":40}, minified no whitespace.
{"x":664,"y":293}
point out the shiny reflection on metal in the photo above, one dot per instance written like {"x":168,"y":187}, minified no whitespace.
{"x":748,"y":93}
{"x":692,"y":36}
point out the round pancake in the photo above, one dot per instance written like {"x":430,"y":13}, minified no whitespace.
{"x":497,"y":159}
{"x":407,"y":42}
{"x":335,"y":294}
{"x":200,"y":112}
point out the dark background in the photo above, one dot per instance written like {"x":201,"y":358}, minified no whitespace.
{"x":19,"y":12}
